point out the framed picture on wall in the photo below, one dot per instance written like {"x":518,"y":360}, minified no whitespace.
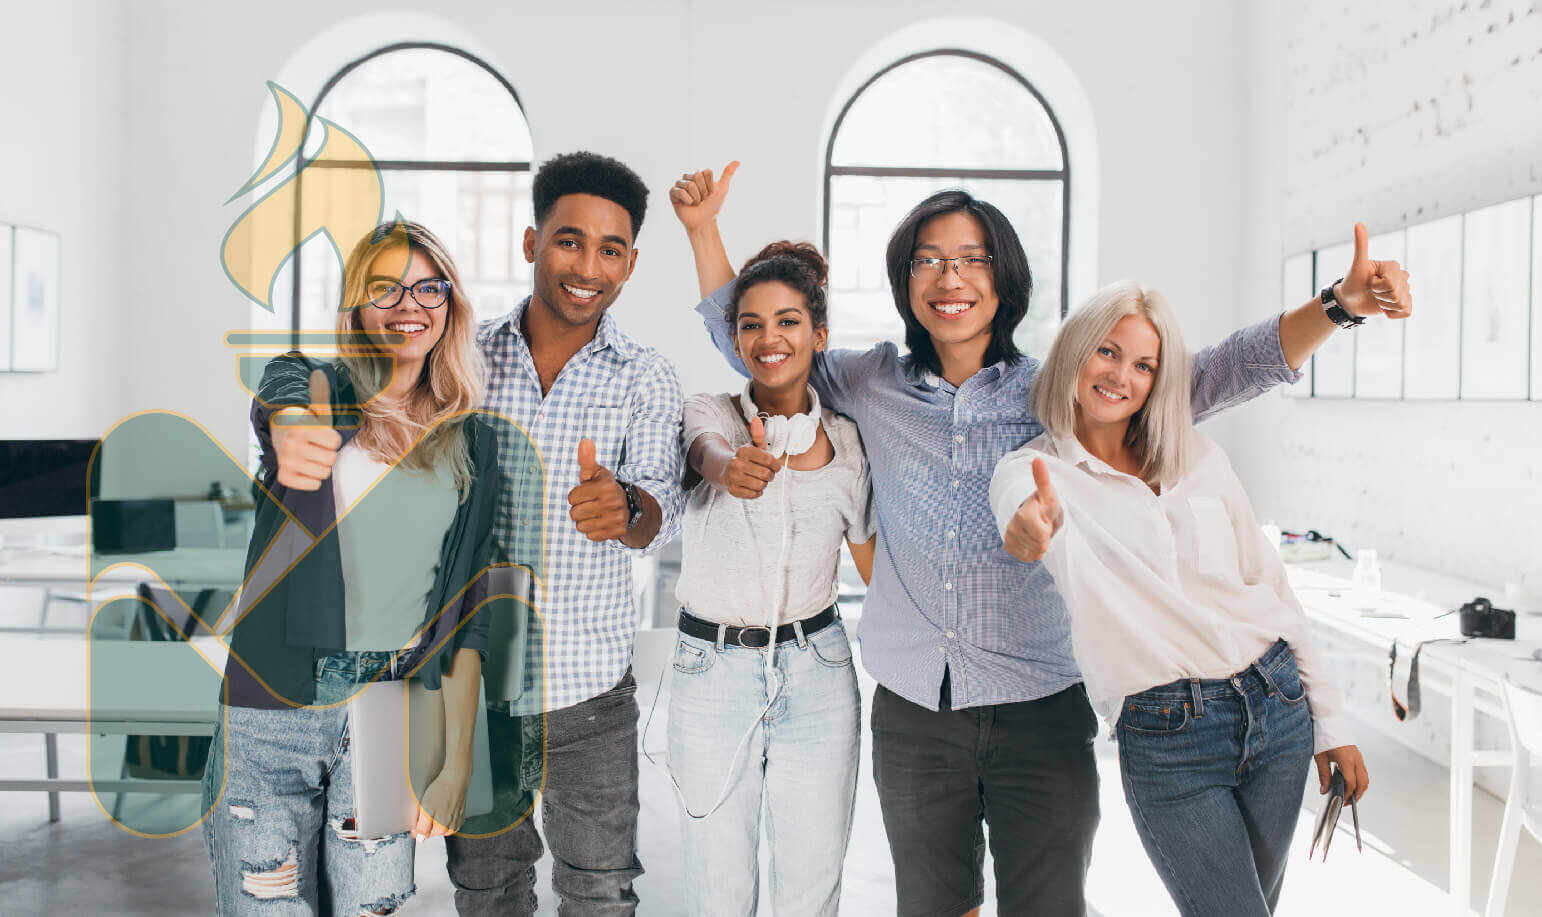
{"x":1295,"y":289}
{"x":1379,"y":342}
{"x":1333,"y":368}
{"x":5,"y":296}
{"x":34,"y":300}
{"x":1432,"y":339}
{"x":1496,"y":301}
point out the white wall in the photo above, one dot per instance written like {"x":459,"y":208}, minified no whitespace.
{"x":666,"y":87}
{"x":61,"y":155}
{"x":1393,"y":114}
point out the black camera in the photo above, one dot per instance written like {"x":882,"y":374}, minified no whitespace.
{"x":1481,"y":619}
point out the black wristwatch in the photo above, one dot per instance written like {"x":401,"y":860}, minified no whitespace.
{"x":1336,"y":313}
{"x":634,"y":507}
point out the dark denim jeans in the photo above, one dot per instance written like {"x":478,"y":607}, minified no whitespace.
{"x":1214,"y":772}
{"x":588,"y":809}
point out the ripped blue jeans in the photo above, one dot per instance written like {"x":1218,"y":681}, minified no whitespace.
{"x":280,"y":834}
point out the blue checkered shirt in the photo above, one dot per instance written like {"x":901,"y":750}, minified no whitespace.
{"x":626,"y":398}
{"x":945,"y":594}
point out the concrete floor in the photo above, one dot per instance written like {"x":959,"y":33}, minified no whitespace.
{"x":84,"y":864}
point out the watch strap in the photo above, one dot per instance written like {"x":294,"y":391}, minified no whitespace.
{"x":633,"y":504}
{"x":1336,"y":313}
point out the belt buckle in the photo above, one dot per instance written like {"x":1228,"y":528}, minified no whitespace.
{"x":760,"y":627}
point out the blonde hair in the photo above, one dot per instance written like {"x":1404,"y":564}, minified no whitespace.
{"x":426,"y":428}
{"x":1159,"y":430}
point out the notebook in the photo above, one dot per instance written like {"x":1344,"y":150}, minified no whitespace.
{"x":387,"y":779}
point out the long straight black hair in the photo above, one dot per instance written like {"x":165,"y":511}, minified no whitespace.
{"x":1009,"y":266}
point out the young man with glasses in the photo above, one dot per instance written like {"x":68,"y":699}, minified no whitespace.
{"x":980,"y":716}
{"x":605,"y":413}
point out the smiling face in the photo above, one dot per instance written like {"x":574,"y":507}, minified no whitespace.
{"x":582,"y":254}
{"x":1116,"y":380}
{"x":776,"y":337}
{"x":393,"y":270}
{"x":957,"y":303}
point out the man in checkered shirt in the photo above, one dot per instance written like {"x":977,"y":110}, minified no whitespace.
{"x":604,"y":412}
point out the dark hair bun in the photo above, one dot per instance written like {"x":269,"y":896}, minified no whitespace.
{"x":803,"y":252}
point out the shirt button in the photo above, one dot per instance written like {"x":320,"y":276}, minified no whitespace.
{"x":948,"y":586}
{"x":951,"y":533}
{"x":958,"y":437}
{"x":950,"y":635}
{"x":942,"y":649}
{"x":956,"y":482}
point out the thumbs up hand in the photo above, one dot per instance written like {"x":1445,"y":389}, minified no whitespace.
{"x":1374,"y":287}
{"x":752,"y":467}
{"x":1034,"y":524}
{"x":597,"y":504}
{"x":306,"y":450}
{"x":697,"y":198}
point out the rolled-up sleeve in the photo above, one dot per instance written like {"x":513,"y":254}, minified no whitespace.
{"x":1244,"y":365}
{"x":653,"y":461}
{"x":714,"y":314}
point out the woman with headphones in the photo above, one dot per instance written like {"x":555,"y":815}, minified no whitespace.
{"x":764,"y":701}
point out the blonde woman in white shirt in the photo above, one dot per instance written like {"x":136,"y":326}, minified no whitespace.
{"x":1187,"y":634}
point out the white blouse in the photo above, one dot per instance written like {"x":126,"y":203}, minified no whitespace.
{"x":1160,"y":588}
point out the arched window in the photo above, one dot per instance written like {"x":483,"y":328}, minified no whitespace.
{"x":450,"y":139}
{"x":934,"y":120}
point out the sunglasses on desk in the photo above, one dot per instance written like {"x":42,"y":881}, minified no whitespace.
{"x":1328,"y":821}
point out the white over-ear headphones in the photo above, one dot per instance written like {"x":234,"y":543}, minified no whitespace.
{"x":793,"y":435}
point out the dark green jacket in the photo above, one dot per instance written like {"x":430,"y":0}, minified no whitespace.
{"x":292,"y":607}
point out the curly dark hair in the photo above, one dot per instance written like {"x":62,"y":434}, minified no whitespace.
{"x":798,"y":265}
{"x":590,"y":173}
{"x":1009,"y":263}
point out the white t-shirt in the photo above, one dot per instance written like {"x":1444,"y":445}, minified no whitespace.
{"x":390,"y":533}
{"x":1161,"y":588}
{"x":730,"y":572}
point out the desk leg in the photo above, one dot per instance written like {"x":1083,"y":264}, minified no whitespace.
{"x":51,"y":753}
{"x":1461,"y":791}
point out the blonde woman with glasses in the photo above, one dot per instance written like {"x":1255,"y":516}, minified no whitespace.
{"x":1186,"y":632}
{"x":397,"y":482}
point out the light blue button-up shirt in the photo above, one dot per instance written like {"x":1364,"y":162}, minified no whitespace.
{"x":945,"y":595}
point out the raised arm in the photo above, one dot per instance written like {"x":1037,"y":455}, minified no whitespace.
{"x":1368,"y":288}
{"x":697,"y":199}
{"x":1255,"y":359}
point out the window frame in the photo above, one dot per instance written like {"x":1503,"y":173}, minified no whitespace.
{"x":512,"y":166}
{"x":1063,"y":174}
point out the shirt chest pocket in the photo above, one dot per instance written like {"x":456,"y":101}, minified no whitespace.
{"x":1214,"y":539}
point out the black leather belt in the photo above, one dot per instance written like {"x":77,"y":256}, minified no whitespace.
{"x":757,"y":637}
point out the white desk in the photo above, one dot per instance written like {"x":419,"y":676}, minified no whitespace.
{"x":142,"y":688}
{"x":1462,"y":669}
{"x":182,"y":568}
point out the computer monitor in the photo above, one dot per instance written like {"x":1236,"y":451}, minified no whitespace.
{"x":46,"y":486}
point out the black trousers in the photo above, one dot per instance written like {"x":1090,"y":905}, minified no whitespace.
{"x":1026,"y":769}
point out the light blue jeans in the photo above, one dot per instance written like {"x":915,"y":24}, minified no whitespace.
{"x":1214,"y":772}
{"x":280,"y":834}
{"x":802,"y":761}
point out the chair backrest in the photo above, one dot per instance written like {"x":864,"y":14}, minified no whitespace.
{"x":199,"y":524}
{"x":1525,"y":708}
{"x":167,"y":615}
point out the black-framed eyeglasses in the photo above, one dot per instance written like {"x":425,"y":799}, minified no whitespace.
{"x":964,"y":266}
{"x":430,"y":292}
